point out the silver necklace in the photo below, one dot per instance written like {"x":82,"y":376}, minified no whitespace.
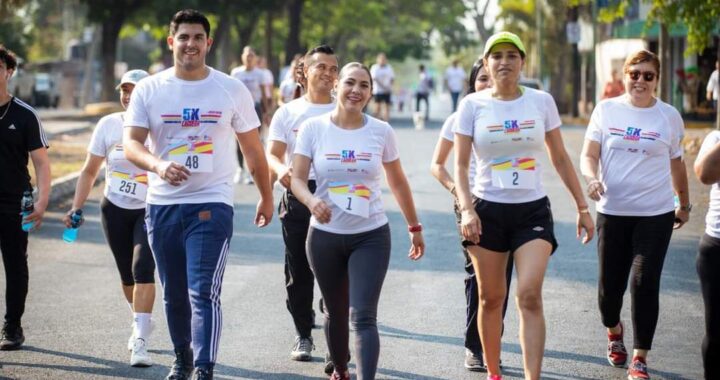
{"x":6,"y":109}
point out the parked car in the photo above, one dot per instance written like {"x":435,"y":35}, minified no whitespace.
{"x":45,"y":92}
{"x":22,"y":85}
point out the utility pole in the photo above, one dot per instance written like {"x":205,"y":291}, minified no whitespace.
{"x":572,"y":30}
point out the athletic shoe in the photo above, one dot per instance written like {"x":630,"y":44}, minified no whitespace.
{"x":494,"y":377}
{"x":638,"y":369}
{"x":249,"y":180}
{"x":203,"y":374}
{"x":131,"y":339}
{"x":343,"y":376}
{"x":139,"y":356}
{"x":12,"y":337}
{"x":474,"y":361}
{"x":616,"y":352}
{"x":302,"y":350}
{"x":182,"y":367}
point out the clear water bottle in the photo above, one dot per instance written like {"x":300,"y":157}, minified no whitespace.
{"x":26,"y":208}
{"x":70,"y":234}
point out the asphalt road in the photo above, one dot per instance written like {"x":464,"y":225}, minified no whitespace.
{"x":77,"y":323}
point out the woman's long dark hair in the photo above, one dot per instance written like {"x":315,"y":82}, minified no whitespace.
{"x":474,"y":72}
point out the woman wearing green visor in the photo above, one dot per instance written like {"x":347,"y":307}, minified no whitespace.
{"x":507,"y":210}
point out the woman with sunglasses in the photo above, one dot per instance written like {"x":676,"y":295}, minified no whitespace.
{"x":507,"y":128}
{"x":632,"y":161}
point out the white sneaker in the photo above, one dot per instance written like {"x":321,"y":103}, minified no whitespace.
{"x":302,"y":350}
{"x":131,"y":339}
{"x":139,"y":356}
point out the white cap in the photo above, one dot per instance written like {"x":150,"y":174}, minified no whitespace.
{"x":132,"y":77}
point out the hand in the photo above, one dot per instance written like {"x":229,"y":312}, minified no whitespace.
{"x":417,"y":247}
{"x":172,"y":172}
{"x":284,"y":179}
{"x":595,"y":190}
{"x":681,"y":217}
{"x":67,"y":219}
{"x":470,"y":226}
{"x":264,"y":212}
{"x":585,"y":222}
{"x":35,"y":217}
{"x":320,"y":210}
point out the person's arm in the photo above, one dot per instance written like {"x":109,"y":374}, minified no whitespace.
{"x":41,"y":163}
{"x":680,"y":185}
{"x":565,"y":169}
{"x":137,"y":153}
{"x":707,"y":166}
{"x":299,"y":186}
{"x":88,"y":174}
{"x":437,"y":167}
{"x":397,"y":181}
{"x":589,"y":164}
{"x":278,"y":170}
{"x":470,"y":222}
{"x":254,"y":154}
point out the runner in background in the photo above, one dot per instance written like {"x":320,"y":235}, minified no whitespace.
{"x":383,"y":77}
{"x":455,"y":82}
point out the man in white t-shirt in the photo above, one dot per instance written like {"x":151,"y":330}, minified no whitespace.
{"x":192,"y":115}
{"x":455,"y":82}
{"x":383,"y":77}
{"x":713,"y":86}
{"x":321,"y":71}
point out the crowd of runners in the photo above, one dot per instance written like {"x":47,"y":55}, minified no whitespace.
{"x":170,"y":172}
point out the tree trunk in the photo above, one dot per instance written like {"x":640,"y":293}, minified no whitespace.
{"x":216,"y":55}
{"x":108,"y":50}
{"x":664,"y":52}
{"x":292,"y":43}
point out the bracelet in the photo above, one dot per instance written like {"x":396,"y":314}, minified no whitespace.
{"x":453,"y":191}
{"x":594,"y":182}
{"x":415,"y":228}
{"x":584,"y":210}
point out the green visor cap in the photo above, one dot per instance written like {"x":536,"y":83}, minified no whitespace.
{"x":504,"y":37}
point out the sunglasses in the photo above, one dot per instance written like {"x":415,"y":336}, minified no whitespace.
{"x":649,"y":76}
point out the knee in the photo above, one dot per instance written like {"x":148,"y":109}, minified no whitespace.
{"x":529,"y":301}
{"x":491,"y":300}
{"x":361,"y":319}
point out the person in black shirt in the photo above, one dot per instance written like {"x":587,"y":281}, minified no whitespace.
{"x":21,"y":137}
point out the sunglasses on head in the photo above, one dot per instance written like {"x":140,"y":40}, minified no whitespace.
{"x":649,"y":76}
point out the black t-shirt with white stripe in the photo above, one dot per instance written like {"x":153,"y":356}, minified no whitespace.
{"x":20,"y":133}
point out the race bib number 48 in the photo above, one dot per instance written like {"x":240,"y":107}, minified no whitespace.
{"x":514,"y":173}
{"x":129,"y":185}
{"x":195,"y":153}
{"x":351,"y":198}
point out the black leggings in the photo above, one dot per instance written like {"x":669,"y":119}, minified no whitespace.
{"x":125,"y":232}
{"x":637,"y":243}
{"x":708,"y":268}
{"x":350,"y":270}
{"x":13,"y":244}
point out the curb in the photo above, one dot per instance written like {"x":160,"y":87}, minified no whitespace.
{"x":63,"y":187}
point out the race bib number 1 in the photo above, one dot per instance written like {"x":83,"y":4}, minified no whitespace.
{"x":351,"y":198}
{"x":514,"y":173}
{"x":195,"y":154}
{"x":129,"y":185}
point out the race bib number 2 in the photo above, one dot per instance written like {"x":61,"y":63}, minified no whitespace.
{"x":351,"y":198}
{"x":195,"y":154}
{"x":514,"y":173}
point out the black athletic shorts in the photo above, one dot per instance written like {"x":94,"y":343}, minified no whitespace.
{"x":382,"y":98}
{"x":507,"y":226}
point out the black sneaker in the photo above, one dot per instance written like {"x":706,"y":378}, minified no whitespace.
{"x":12,"y":337}
{"x":474,"y":361}
{"x":329,"y":365}
{"x":182,"y":367}
{"x":203,"y":374}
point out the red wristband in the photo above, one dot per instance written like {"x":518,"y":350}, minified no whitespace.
{"x":415,"y":228}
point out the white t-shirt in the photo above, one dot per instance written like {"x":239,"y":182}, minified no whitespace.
{"x":125,"y":184}
{"x":382,"y":77}
{"x":287,"y":120}
{"x":712,"y":219}
{"x":508,"y":138}
{"x":253,"y":80}
{"x":193,"y":123}
{"x":447,"y":133}
{"x":714,"y":85}
{"x":287,"y":89}
{"x":636,"y":147}
{"x":455,"y":77}
{"x":268,"y":82}
{"x":348,"y":165}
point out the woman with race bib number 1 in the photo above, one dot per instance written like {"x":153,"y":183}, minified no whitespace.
{"x":348,"y":243}
{"x":507,"y":211}
{"x":122,"y":211}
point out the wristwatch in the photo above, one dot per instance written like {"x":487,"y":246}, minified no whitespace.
{"x":687,"y":208}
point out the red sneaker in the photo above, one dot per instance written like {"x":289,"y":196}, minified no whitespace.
{"x":616,"y":352}
{"x":344,"y":376}
{"x":638,"y":369}
{"x":494,"y":377}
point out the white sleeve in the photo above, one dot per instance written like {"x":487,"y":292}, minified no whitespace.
{"x":712,"y":139}
{"x":305,"y":140}
{"x":678,"y":133}
{"x":390,"y":150}
{"x":447,"y":129}
{"x":594,"y":130}
{"x":465,"y":119}
{"x":244,"y":116}
{"x":276,"y":132}
{"x":552,"y":116}
{"x":97,"y":145}
{"x":136,"y":114}
{"x":713,"y":81}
